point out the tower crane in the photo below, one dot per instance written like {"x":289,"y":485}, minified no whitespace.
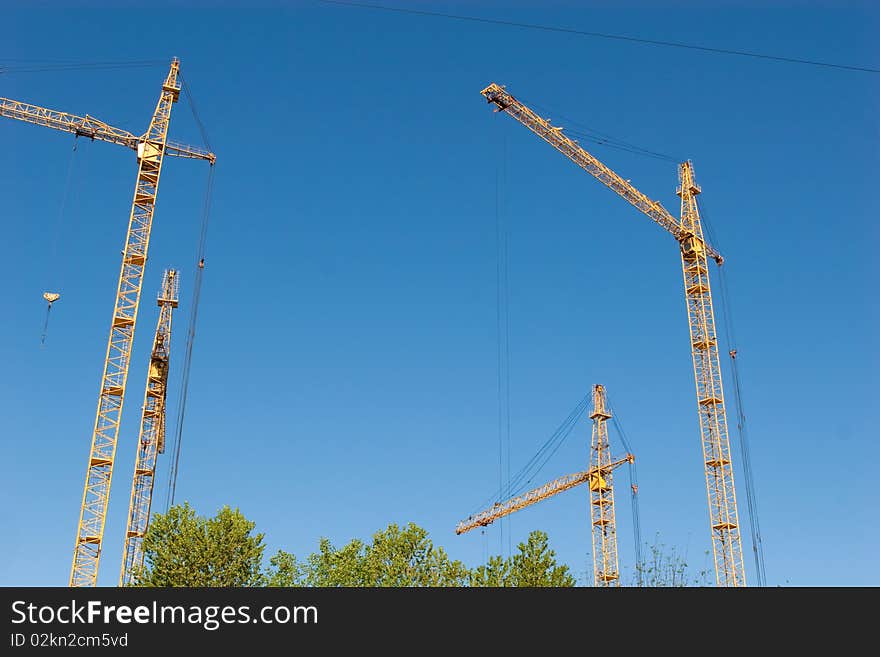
{"x":150,"y":149}
{"x":599,"y":480}
{"x":151,"y":441}
{"x":695,"y":252}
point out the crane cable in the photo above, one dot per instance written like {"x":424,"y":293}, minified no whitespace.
{"x":190,"y":338}
{"x":742,"y":429}
{"x":634,"y":489}
{"x":502,"y":320}
{"x":536,"y":463}
{"x":577,"y":129}
{"x":73,"y":171}
{"x":194,"y":311}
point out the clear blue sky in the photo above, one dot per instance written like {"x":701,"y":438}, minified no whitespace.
{"x":345,"y":370}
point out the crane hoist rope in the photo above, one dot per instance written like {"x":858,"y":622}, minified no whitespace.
{"x":171,"y":489}
{"x":190,"y":340}
{"x":741,"y":426}
{"x":634,"y":493}
{"x":52,"y":254}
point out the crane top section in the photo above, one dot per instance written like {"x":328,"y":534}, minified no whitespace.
{"x":168,"y":295}
{"x":89,"y":126}
{"x":599,"y":404}
{"x":553,"y":135}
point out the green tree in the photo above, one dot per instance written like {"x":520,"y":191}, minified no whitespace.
{"x":395,"y":557}
{"x":533,"y":565}
{"x":285,"y":570}
{"x":182,"y":548}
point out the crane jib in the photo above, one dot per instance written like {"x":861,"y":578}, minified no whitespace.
{"x":555,"y":137}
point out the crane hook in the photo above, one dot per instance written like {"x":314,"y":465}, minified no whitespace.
{"x":50,"y":297}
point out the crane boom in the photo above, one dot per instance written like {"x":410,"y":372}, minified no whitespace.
{"x":151,"y":441}
{"x":554,"y":136}
{"x":594,"y":475}
{"x":89,"y":126}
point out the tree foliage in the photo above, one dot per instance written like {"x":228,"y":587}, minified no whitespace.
{"x":395,"y":557}
{"x":533,"y":565}
{"x":182,"y":548}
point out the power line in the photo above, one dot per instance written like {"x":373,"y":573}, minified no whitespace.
{"x":603,"y":35}
{"x":40,"y":66}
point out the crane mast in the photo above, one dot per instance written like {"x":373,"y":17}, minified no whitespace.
{"x":150,"y":149}
{"x":606,"y":571}
{"x":151,"y":441}
{"x":724,"y":520}
{"x":723,"y":517}
{"x":102,"y":456}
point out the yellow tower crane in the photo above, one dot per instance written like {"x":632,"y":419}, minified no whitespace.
{"x":688,"y":231}
{"x":599,"y":478}
{"x":151,"y":441}
{"x":150,"y":148}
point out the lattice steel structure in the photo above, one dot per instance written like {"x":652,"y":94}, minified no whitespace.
{"x":606,"y":571}
{"x":150,"y":148}
{"x":151,"y":441}
{"x":723,"y":517}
